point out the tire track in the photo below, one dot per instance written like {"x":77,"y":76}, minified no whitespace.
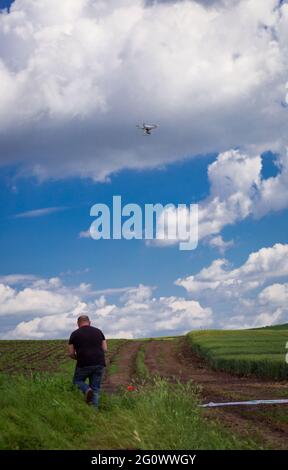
{"x":175,"y":361}
{"x":126,"y":356}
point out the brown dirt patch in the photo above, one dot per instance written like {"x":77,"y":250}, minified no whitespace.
{"x":124,"y":357}
{"x":175,"y":360}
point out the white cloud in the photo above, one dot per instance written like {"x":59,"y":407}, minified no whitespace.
{"x":237,"y":191}
{"x":77,"y":77}
{"x":269,"y":318}
{"x":266,"y":318}
{"x":112,"y":290}
{"x":234,"y":178}
{"x":222,"y":245}
{"x":273,"y":192}
{"x":276,"y":294}
{"x":263,"y":265}
{"x":36,"y":301}
{"x":222,"y":296}
{"x":85,"y":234}
{"x":51,"y":283}
{"x":229,"y":291}
{"x":12,"y":279}
{"x":102,"y":308}
{"x":138,"y":294}
{"x":136,"y":313}
{"x":41,"y":328}
{"x":38,"y":212}
{"x":185,"y":312}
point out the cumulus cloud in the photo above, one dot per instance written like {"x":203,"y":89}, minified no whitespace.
{"x":262,"y":265}
{"x":36,"y":301}
{"x":220,"y":244}
{"x":219,"y":295}
{"x":237,"y":191}
{"x":235,"y":186}
{"x":137,"y":313}
{"x":77,"y":76}
{"x":233,"y":290}
{"x":276,"y":294}
{"x":273,"y":192}
{"x":234,"y":178}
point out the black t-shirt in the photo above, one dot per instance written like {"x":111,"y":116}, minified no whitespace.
{"x":87,"y":342}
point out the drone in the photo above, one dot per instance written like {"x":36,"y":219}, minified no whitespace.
{"x":147,"y":128}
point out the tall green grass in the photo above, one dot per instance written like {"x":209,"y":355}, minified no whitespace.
{"x":141,"y":370}
{"x":260,"y":352}
{"x":45,"y":412}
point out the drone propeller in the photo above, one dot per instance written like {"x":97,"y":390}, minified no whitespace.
{"x":147,"y":127}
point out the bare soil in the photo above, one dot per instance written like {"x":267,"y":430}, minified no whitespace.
{"x":124,"y":357}
{"x":176,"y":361}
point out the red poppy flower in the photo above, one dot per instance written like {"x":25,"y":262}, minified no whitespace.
{"x":130,"y":388}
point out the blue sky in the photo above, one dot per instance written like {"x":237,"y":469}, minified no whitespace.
{"x":5,"y":4}
{"x":69,"y":140}
{"x":50,"y":245}
{"x":60,"y":231}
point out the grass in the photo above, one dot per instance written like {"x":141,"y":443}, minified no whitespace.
{"x":259,"y":352}
{"x":113,"y":368}
{"x":42,"y":412}
{"x":45,"y":412}
{"x":142,"y":371}
{"x":113,"y":347}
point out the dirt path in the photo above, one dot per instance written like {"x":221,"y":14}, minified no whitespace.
{"x":175,"y":360}
{"x":124,"y":358}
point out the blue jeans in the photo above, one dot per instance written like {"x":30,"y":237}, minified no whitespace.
{"x":95,"y":375}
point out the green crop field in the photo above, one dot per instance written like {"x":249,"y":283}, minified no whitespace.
{"x":40,"y":409}
{"x":261,"y":352}
{"x":30,"y":356}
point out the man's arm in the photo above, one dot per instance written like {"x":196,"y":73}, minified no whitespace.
{"x":104,"y":345}
{"x":71,"y":351}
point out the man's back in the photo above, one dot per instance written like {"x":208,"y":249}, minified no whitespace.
{"x":87,"y":342}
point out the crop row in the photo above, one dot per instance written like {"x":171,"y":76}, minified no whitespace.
{"x":38,"y":355}
{"x":245,"y":352}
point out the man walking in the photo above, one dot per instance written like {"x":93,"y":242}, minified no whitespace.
{"x":87,"y":345}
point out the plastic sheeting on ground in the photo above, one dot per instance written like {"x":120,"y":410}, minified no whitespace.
{"x":250,"y":402}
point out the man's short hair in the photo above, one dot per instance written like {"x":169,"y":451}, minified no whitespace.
{"x":83,"y":319}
